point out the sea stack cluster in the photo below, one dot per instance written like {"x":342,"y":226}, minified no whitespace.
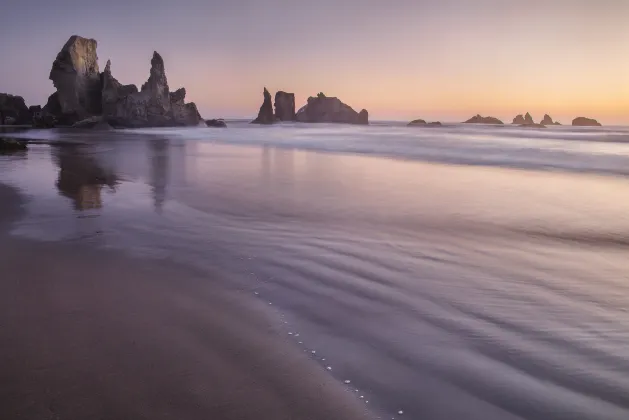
{"x":87,"y":98}
{"x":319,"y":109}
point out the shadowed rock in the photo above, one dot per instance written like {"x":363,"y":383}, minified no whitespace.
{"x":548,"y":121}
{"x":13,"y":110}
{"x":76,"y":77}
{"x":285,"y":106}
{"x":266,"y":114}
{"x":585,"y":122}
{"x":10,"y":145}
{"x":219,"y":123}
{"x":323,"y":109}
{"x":477,"y":119}
{"x":153,"y":106}
{"x":519,"y":119}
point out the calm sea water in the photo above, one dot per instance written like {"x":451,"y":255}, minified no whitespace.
{"x":462,"y":272}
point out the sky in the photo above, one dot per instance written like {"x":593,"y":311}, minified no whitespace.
{"x":400,"y":59}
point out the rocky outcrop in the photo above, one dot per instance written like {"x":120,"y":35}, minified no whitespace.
{"x":153,"y":106}
{"x":76,"y":77}
{"x":423,"y":123}
{"x":528,"y":119}
{"x":113,"y":92}
{"x":13,"y":110}
{"x":284,"y":106}
{"x":266,"y":114}
{"x":10,"y":145}
{"x":548,"y":121}
{"x":93,"y":123}
{"x":219,"y":123}
{"x":585,"y":122}
{"x":519,"y":119}
{"x":477,"y":119}
{"x":323,"y":109}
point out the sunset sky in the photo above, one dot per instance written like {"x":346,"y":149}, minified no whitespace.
{"x":400,"y":59}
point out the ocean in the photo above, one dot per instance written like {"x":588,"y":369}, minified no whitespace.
{"x":460,"y":272}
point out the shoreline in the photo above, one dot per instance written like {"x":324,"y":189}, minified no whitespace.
{"x":98,"y":334}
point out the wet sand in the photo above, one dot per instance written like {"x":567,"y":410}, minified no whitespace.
{"x":96,"y":335}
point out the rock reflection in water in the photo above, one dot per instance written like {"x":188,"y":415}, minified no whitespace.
{"x":81,"y":178}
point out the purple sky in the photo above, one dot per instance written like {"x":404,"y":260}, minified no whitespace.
{"x":400,"y":59}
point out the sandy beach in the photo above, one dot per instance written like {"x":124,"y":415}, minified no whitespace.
{"x":98,"y":335}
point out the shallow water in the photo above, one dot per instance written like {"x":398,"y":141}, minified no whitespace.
{"x":443,"y":291}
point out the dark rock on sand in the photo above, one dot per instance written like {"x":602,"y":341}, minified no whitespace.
{"x":13,"y":110}
{"x":585,"y":122}
{"x":519,"y":119}
{"x":323,"y":109}
{"x":285,"y":106}
{"x":94,"y":123}
{"x":477,"y":119}
{"x":219,"y":123}
{"x":153,"y":106}
{"x":76,"y":77}
{"x":266,"y":114}
{"x":9,"y":145}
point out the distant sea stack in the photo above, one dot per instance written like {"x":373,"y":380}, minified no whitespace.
{"x":523,"y":119}
{"x":266,"y":114}
{"x":585,"y":122}
{"x":423,"y":123}
{"x":519,"y":119}
{"x":324,"y":109}
{"x":285,"y":106}
{"x":548,"y":120}
{"x":477,"y":119}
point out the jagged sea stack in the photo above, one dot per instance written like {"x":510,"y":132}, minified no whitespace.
{"x":266,"y":114}
{"x":285,"y":106}
{"x":76,"y":77}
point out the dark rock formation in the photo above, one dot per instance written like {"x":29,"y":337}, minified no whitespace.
{"x":422,"y":123}
{"x":528,"y":119}
{"x":13,"y":110}
{"x":323,"y":109}
{"x":519,"y":119}
{"x":265,"y":115}
{"x":10,"y":145}
{"x":93,"y":123}
{"x":477,"y":119}
{"x":183,"y":113}
{"x":585,"y":122}
{"x":113,"y":92}
{"x":284,"y":106}
{"x":548,"y":121}
{"x":76,"y":77}
{"x":363,"y":117}
{"x":153,"y":106}
{"x":220,"y":123}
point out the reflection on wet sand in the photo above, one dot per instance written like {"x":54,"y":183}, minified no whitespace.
{"x":81,"y":178}
{"x":159,"y":157}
